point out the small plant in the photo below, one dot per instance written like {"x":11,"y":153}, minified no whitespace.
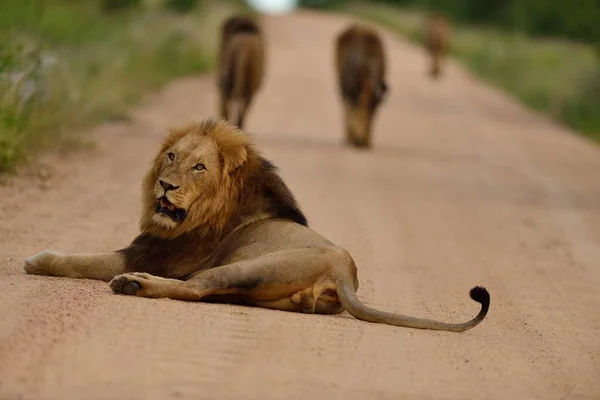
{"x":181,"y":6}
{"x":581,"y":110}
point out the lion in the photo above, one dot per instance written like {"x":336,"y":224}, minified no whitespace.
{"x":219,"y":224}
{"x":361,"y":68}
{"x":240,"y":66}
{"x":437,"y":42}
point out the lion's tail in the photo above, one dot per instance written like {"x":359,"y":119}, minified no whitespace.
{"x":357,"y":309}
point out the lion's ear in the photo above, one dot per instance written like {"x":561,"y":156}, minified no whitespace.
{"x":233,"y":157}
{"x":232,"y":143}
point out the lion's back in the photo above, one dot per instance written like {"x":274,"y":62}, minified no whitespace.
{"x":242,"y":58}
{"x":269,"y":236}
{"x":359,"y":50}
{"x":437,"y":34}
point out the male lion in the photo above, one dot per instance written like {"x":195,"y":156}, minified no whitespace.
{"x":218,"y":223}
{"x":241,"y":66}
{"x":361,"y":68}
{"x":437,"y":41}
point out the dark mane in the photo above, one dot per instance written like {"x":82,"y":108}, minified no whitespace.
{"x":164,"y":257}
{"x":239,"y":24}
{"x":280,"y":200}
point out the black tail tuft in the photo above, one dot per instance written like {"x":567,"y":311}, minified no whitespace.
{"x":481,"y":295}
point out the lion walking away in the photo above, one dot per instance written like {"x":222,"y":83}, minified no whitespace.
{"x":218,"y":223}
{"x":437,"y":42}
{"x":241,"y":67}
{"x":361,"y":70}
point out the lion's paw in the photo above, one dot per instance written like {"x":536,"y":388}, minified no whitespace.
{"x":126,"y":284}
{"x":41,"y":263}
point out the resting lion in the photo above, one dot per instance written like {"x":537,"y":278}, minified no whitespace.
{"x":437,"y":42}
{"x":241,"y":67}
{"x":219,"y":224}
{"x":361,"y":69}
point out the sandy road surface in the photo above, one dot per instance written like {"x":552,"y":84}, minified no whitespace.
{"x":463,"y":187}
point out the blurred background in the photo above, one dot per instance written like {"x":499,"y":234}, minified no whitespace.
{"x":66,"y":64}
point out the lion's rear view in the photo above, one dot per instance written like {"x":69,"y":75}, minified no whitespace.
{"x":241,"y":67}
{"x":437,"y":40}
{"x":361,"y":69}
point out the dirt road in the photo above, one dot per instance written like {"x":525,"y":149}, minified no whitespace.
{"x":463,"y":187}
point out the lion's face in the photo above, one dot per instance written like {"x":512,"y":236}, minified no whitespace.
{"x":190,"y":183}
{"x":190,"y":172}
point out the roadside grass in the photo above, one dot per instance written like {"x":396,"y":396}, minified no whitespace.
{"x":557,"y":77}
{"x":67,"y":65}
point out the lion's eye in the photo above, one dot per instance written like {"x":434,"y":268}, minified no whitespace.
{"x":199,"y":167}
{"x":171,"y":156}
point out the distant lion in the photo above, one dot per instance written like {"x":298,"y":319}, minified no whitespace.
{"x":361,"y":70}
{"x":241,"y":67}
{"x":437,"y":42}
{"x":219,"y":224}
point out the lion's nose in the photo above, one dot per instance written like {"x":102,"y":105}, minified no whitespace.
{"x":167,"y":186}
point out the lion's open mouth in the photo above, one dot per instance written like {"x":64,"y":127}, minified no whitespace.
{"x":164,"y":206}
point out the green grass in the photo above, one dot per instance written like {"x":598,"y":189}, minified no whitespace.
{"x":560,"y":78}
{"x":67,"y":65}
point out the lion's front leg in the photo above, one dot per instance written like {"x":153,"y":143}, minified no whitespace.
{"x":91,"y":266}
{"x":146,"y":285}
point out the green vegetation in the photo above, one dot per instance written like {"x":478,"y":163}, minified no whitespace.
{"x":113,"y":5}
{"x":576,"y":20}
{"x":322,"y":4}
{"x":65,"y":64}
{"x":559,"y":77}
{"x":181,"y":5}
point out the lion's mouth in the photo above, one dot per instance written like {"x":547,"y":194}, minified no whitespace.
{"x":164,"y":206}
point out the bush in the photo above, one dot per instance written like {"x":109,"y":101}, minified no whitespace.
{"x":581,"y":110}
{"x":182,"y":6}
{"x":114,"y":5}
{"x":321,"y":4}
{"x":579,"y":20}
{"x":65,"y":64}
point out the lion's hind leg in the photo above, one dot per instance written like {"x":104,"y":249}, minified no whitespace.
{"x":223,"y":106}
{"x":290,"y":280}
{"x":436,"y":65}
{"x":269,"y":280}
